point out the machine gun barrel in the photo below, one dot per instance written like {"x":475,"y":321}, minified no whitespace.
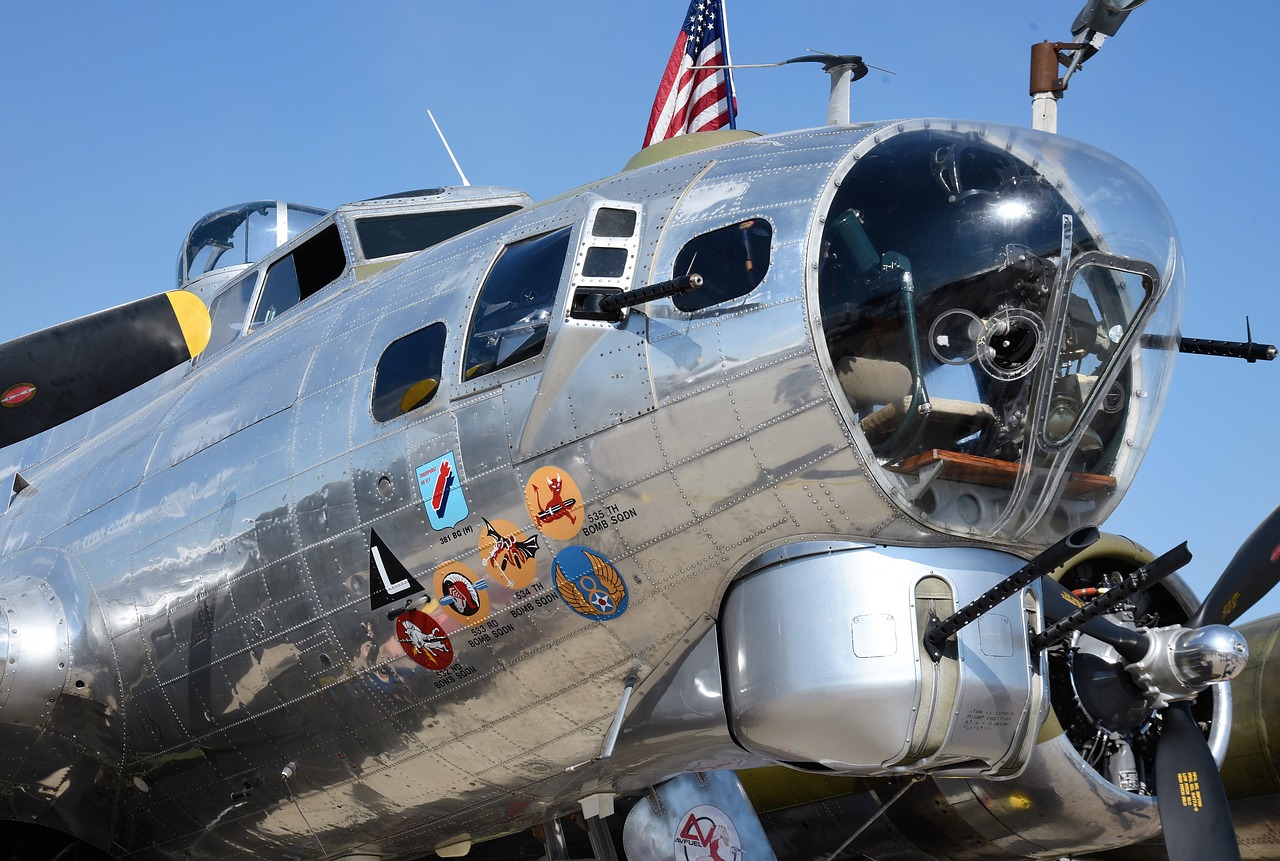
{"x":1251,"y":351}
{"x":1148,"y":575}
{"x":938,"y":631}
{"x":661,"y":290}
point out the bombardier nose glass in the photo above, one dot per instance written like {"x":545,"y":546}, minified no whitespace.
{"x":983,"y":304}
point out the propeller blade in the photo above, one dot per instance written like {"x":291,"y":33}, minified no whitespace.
{"x":56,"y":374}
{"x":1194,"y":814}
{"x":1247,"y":578}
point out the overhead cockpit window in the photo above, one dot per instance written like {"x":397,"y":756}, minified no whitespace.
{"x":241,"y":235}
{"x":389,"y":235}
{"x":311,"y":267}
{"x":732,"y":262}
{"x":408,"y":374}
{"x":227,"y":313}
{"x":514,"y":306}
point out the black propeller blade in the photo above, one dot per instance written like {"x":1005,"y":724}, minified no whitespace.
{"x":1250,"y":575}
{"x":1194,"y":813}
{"x":56,"y":374}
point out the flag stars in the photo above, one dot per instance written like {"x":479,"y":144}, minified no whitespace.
{"x":694,"y":95}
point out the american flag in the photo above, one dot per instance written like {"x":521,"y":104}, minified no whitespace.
{"x":689,"y":99}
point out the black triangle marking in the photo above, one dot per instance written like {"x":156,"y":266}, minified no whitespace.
{"x":389,"y":580}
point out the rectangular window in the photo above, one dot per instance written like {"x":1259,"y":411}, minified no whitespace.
{"x":389,"y":235}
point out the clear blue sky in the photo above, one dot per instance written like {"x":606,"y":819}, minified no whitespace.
{"x":122,"y":123}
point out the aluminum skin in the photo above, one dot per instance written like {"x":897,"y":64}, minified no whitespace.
{"x":207,"y":537}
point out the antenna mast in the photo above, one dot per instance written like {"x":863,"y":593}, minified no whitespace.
{"x":447,"y":148}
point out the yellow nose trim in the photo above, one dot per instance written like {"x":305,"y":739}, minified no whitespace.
{"x":193,"y":318}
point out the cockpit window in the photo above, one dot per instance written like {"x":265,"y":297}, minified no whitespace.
{"x":984,"y":325}
{"x":227,"y":313}
{"x":389,"y":235}
{"x":312,"y":266}
{"x":241,"y":235}
{"x":408,"y":374}
{"x":732,"y":261}
{"x":514,"y":305}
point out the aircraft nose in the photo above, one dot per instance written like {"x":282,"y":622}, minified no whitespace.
{"x":35,"y":651}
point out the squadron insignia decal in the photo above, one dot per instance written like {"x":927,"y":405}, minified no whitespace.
{"x":589,"y":584}
{"x":389,"y":580}
{"x":463,"y":596}
{"x":423,"y":640}
{"x":441,"y":493}
{"x":508,"y":555}
{"x":555,"y":503}
{"x":17,"y":395}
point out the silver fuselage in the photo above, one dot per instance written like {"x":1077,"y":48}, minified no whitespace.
{"x":190,"y":569}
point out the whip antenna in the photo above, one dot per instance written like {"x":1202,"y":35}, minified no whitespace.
{"x":447,"y":148}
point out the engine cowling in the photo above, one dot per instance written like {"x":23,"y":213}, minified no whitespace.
{"x":1089,"y":785}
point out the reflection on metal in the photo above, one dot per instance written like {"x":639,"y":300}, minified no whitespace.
{"x":553,"y":833}
{"x":192,"y":586}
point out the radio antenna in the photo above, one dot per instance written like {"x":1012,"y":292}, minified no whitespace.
{"x":447,"y":149}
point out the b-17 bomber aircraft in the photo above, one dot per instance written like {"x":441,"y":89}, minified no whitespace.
{"x":711,"y":510}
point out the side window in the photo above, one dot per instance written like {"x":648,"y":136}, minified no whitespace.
{"x":227,"y":313}
{"x":408,"y":373}
{"x":514,"y":306}
{"x":732,"y":262}
{"x":310,"y":268}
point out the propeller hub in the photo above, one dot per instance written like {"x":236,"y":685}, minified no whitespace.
{"x":1181,"y":662}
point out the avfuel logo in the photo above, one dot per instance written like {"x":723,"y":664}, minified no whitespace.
{"x":706,"y":833}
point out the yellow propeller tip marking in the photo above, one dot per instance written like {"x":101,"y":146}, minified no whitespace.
{"x":193,"y":319}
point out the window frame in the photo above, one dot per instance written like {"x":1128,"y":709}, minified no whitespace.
{"x":555,"y":309}
{"x":312,"y":241}
{"x":253,"y":274}
{"x":696,"y":298}
{"x":437,"y":329}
